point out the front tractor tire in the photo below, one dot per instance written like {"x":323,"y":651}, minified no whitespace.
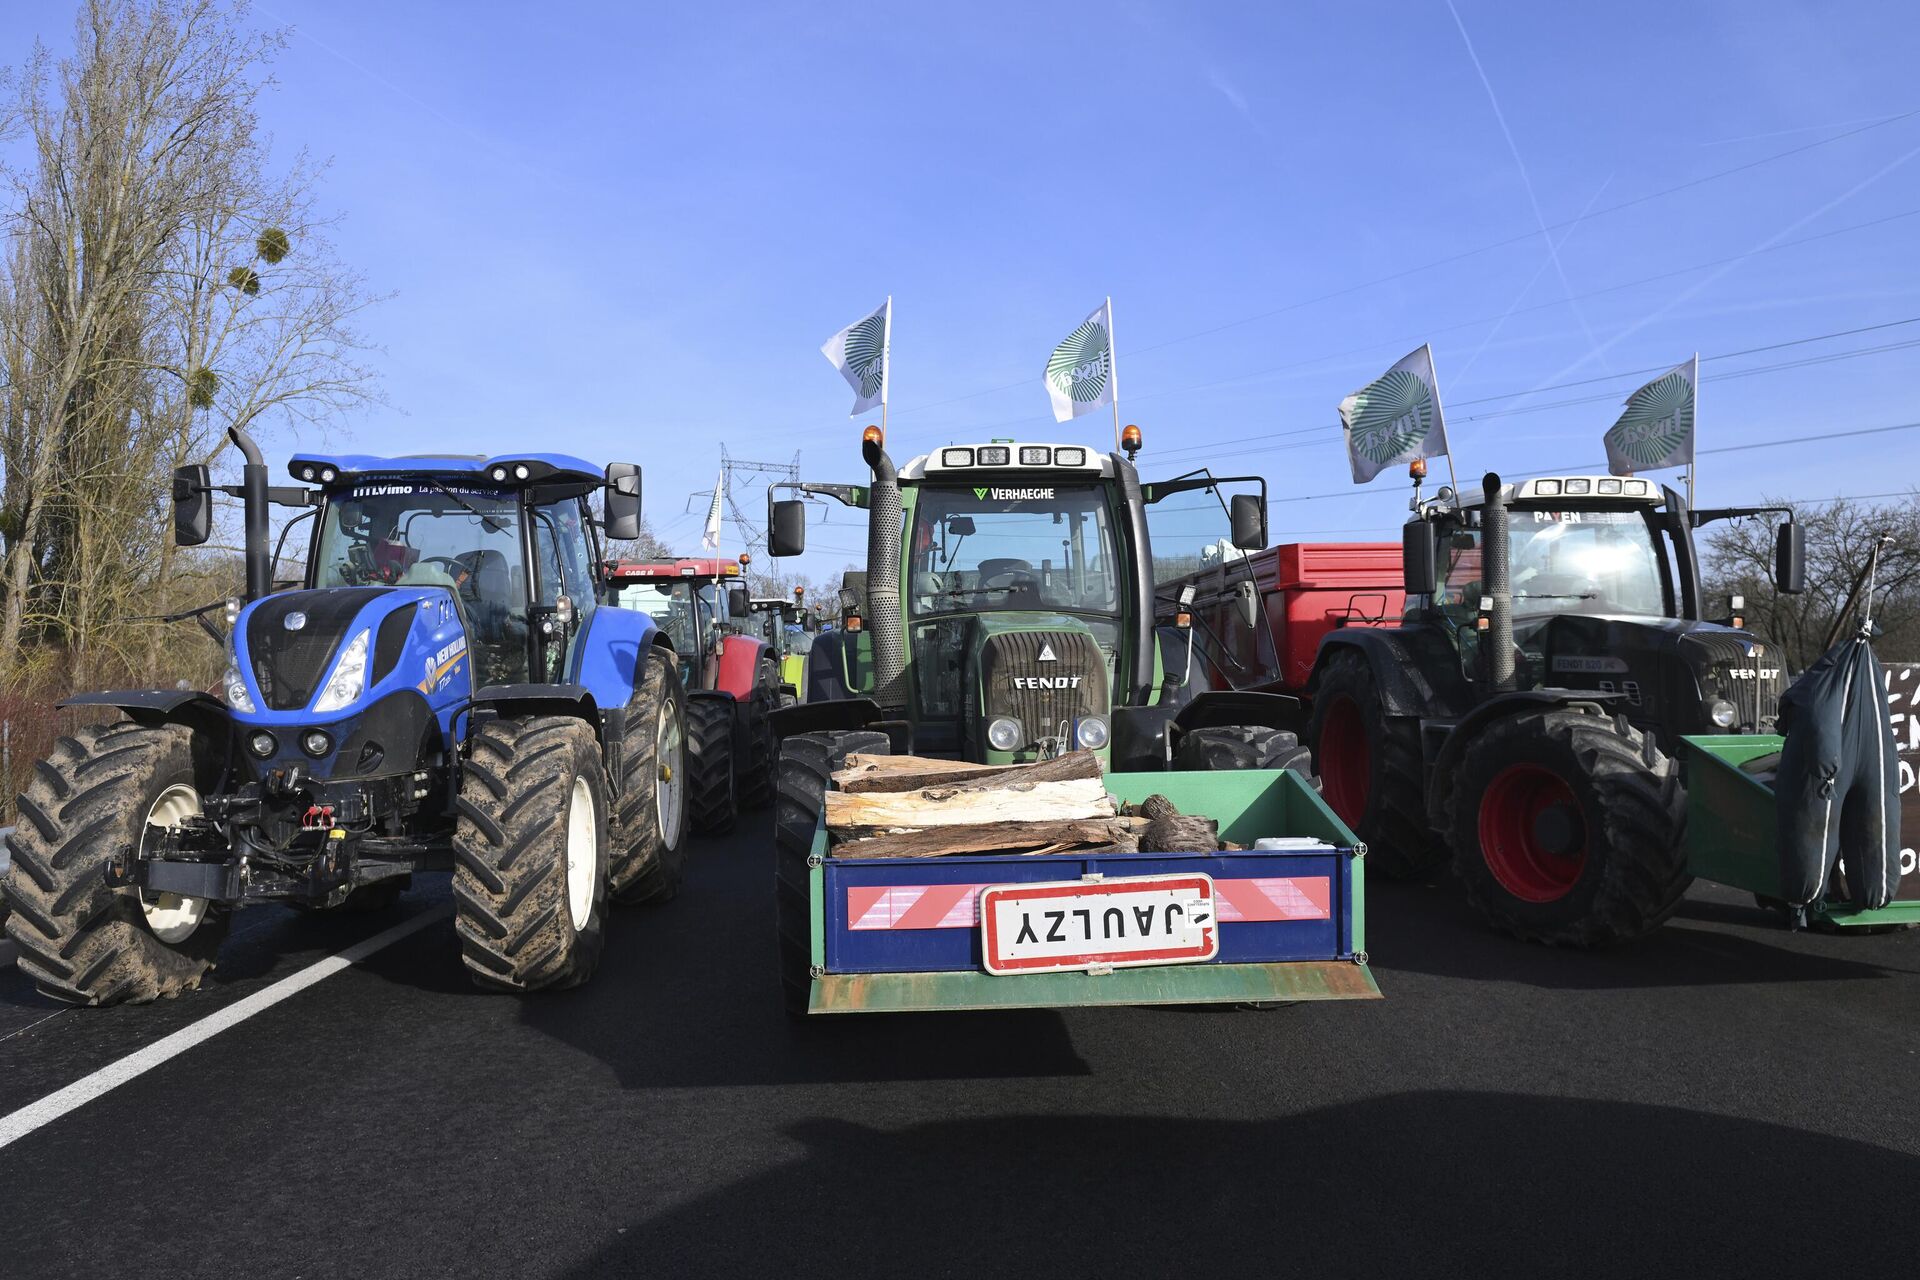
{"x":650,"y":827}
{"x":82,"y":942}
{"x":530,"y":850}
{"x":1565,"y":827}
{"x":1243,"y":747}
{"x":712,"y":801}
{"x":807,"y":763}
{"x":1370,"y":770}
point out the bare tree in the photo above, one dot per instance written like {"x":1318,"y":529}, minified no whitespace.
{"x":161,"y":282}
{"x":1840,"y":537}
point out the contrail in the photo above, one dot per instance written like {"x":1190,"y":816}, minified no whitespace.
{"x":1526,"y":179}
{"x":1535,"y":279}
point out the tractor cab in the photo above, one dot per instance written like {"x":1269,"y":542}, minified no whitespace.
{"x":1009,"y":606}
{"x":695,"y":601}
{"x":1602,"y":587}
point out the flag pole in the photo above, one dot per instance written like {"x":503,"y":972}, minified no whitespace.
{"x":1693,"y":437}
{"x":886,"y":371}
{"x":1113,"y":373}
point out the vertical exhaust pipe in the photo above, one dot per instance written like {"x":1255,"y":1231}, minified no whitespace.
{"x":253,"y":495}
{"x":883,"y":579}
{"x":1498,"y":583}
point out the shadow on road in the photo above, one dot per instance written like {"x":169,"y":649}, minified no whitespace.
{"x":1428,"y":928}
{"x":1440,"y":1183}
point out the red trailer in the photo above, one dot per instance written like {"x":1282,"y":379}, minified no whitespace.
{"x":1303,"y":590}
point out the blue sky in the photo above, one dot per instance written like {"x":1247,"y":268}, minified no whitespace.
{"x":624,"y":230}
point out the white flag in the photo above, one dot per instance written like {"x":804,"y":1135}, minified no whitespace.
{"x":1080,"y":372}
{"x":1395,"y":418}
{"x":1657,"y":428}
{"x":860,"y":352}
{"x":710,"y":539}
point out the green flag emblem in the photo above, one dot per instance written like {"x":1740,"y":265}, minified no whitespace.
{"x":1079,"y":367}
{"x":867,"y":353}
{"x":1390,"y":416}
{"x":1658,"y":421}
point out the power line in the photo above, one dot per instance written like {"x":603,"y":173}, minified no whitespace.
{"x":1460,"y":256}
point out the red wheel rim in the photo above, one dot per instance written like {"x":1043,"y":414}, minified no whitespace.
{"x":1346,"y":760}
{"x":1519,"y":814}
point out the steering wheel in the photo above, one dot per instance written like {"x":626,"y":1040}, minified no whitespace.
{"x":1013,"y":579}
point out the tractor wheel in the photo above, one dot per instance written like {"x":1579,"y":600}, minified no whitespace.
{"x":712,"y":799}
{"x":530,"y":853}
{"x":101,"y":792}
{"x":807,"y":762}
{"x":1566,"y":828}
{"x":1244,"y":747}
{"x":756,"y":770}
{"x":1370,"y":770}
{"x":650,"y":820}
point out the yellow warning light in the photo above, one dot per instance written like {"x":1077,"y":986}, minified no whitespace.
{"x":746,"y":558}
{"x":1130,"y":438}
{"x":1417,"y":468}
{"x":871,"y":435}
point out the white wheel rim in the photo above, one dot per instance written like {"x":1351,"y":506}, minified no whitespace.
{"x":172,"y":916}
{"x":670,"y":757}
{"x":583,"y":854}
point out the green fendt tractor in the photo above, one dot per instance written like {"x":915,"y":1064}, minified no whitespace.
{"x":1011,"y":610}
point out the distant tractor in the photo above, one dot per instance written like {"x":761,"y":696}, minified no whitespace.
{"x":732,"y":679}
{"x":444,"y":691}
{"x":1526,"y":716}
{"x":783,"y":625}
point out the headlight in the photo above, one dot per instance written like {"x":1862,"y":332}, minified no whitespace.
{"x":1722,"y":713}
{"x":236,"y":689}
{"x":349,"y":677}
{"x":262,"y":744}
{"x":316,"y":743}
{"x":1004,"y":735}
{"x":1091,"y":733}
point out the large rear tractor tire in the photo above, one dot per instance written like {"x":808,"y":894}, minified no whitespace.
{"x":103,"y":791}
{"x":712,"y":798}
{"x":530,"y":850}
{"x":650,"y":822}
{"x":807,"y":762}
{"x":1566,"y":827}
{"x":1243,"y":747}
{"x":1370,"y":770}
{"x":756,"y":768}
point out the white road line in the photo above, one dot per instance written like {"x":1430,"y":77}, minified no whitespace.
{"x":84,"y":1090}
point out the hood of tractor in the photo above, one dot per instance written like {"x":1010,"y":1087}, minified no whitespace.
{"x":347,"y":681}
{"x":1673,"y":672}
{"x":1041,"y":670}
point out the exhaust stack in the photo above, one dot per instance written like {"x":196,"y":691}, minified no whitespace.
{"x":254,"y":496}
{"x":1498,"y":586}
{"x":883,"y":577}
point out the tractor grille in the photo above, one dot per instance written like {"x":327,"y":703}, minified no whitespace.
{"x":1752,"y":682}
{"x":1042,"y":678}
{"x":288,"y":665}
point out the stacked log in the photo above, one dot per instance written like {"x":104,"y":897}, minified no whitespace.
{"x":920,"y":807}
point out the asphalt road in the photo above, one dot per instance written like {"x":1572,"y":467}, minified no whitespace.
{"x":1721,"y":1099}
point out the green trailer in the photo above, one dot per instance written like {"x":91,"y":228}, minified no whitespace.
{"x":1731,"y":835}
{"x":894,"y":935}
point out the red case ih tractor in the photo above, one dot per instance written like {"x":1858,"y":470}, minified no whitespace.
{"x":732,"y":680}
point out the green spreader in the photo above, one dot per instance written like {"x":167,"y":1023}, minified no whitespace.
{"x":1731,"y":834}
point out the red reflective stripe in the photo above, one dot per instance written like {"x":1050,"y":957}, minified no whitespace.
{"x":930,"y":912}
{"x":1274,"y":898}
{"x":957,"y":906}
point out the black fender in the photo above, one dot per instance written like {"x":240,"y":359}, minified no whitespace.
{"x":199,"y":711}
{"x":1461,"y":735}
{"x":825,"y":717}
{"x":1416,"y":669}
{"x":1217,"y":708}
{"x":1140,"y":738}
{"x":540,"y":700}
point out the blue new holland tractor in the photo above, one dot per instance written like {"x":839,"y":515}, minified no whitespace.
{"x":445,"y":689}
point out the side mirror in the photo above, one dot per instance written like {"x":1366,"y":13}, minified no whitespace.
{"x":737,"y":602}
{"x":787,"y":528}
{"x":192,"y":505}
{"x":623,"y":500}
{"x":1417,"y":567}
{"x":1249,"y":522}
{"x":1246,"y":601}
{"x":1790,"y":559}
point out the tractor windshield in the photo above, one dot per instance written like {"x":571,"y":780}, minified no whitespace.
{"x":670,"y":602}
{"x":1596,"y":562}
{"x":1045,"y":546}
{"x":428,"y":535}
